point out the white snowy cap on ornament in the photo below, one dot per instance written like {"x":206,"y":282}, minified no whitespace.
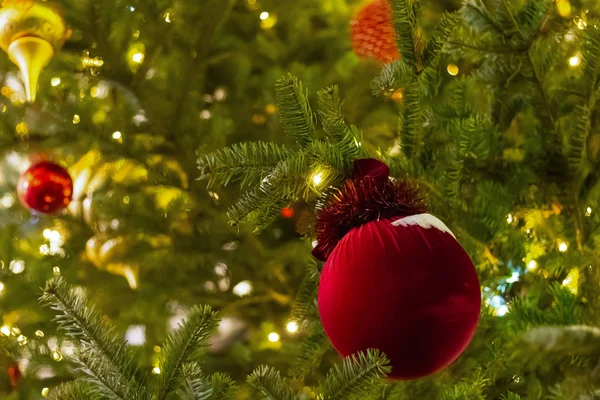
{"x":425,"y":221}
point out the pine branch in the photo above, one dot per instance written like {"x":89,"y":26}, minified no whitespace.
{"x":224,"y":388}
{"x":358,"y":377}
{"x":330,"y":111}
{"x":306,"y":297}
{"x":75,"y":391}
{"x":198,"y":386}
{"x":510,"y":396}
{"x":245,"y":162}
{"x":312,"y":351}
{"x":181,"y":345}
{"x":440,"y":37}
{"x":590,"y":52}
{"x":393,"y":76}
{"x":410,"y":122}
{"x":270,"y":383}
{"x":85,"y":324}
{"x":296,"y":116}
{"x":408,"y":38}
{"x":577,"y":151}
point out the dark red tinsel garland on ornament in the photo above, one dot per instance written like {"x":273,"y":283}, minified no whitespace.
{"x":368,"y":196}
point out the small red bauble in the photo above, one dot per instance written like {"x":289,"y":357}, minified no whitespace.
{"x":373,"y":34}
{"x":45,"y":187}
{"x":401,"y":284}
{"x":287,"y":212}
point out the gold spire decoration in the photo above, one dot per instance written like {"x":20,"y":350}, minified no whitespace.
{"x":31,"y":32}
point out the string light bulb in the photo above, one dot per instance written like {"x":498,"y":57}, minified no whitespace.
{"x":563,"y":247}
{"x":588,"y":211}
{"x":45,"y":392}
{"x":5,"y":330}
{"x":273,"y":337}
{"x":56,"y":356}
{"x":264,"y":15}
{"x":55,"y":81}
{"x":292,"y":327}
{"x":156,"y":370}
{"x":509,"y":218}
{"x":137,"y":57}
{"x":574,"y":61}
{"x":532,"y":265}
{"x":117,"y":135}
{"x":317,"y":178}
{"x":1,"y":287}
{"x":453,"y":69}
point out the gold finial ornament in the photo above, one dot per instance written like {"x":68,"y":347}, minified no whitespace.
{"x":31,"y":31}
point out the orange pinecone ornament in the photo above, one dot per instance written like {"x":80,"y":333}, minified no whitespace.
{"x":373,"y":34}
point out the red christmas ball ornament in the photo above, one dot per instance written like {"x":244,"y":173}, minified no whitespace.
{"x":45,"y":187}
{"x":287,"y":212}
{"x":395,"y":277}
{"x":373,"y":34}
{"x":14,"y":374}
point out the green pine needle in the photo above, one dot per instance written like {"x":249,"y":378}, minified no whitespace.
{"x":181,"y":345}
{"x":269,"y":382}
{"x":296,"y":116}
{"x":358,"y":376}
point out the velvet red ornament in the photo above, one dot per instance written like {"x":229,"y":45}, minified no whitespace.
{"x":398,"y":280}
{"x":373,"y":34}
{"x":45,"y":187}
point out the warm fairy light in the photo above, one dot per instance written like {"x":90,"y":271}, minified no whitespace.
{"x":564,"y":8}
{"x":264,"y":15}
{"x":22,"y":128}
{"x":56,"y":356}
{"x":76,"y":119}
{"x":156,"y":371}
{"x":317,"y":178}
{"x":167,"y":16}
{"x":271,"y":109}
{"x":131,"y":278}
{"x":7,"y":201}
{"x":22,"y":340}
{"x":56,"y":271}
{"x":1,"y":287}
{"x":17,"y":266}
{"x":5,"y":330}
{"x":273,"y":337}
{"x":588,"y":211}
{"x":563,"y":247}
{"x":45,"y":392}
{"x":15,"y":331}
{"x":156,"y":349}
{"x":269,"y":22}
{"x":453,"y":69}
{"x":39,"y":333}
{"x":244,"y":288}
{"x":205,"y":114}
{"x":509,"y":218}
{"x":314,"y":243}
{"x":292,"y":327}
{"x":574,"y":61}
{"x":580,"y":22}
{"x":55,"y":81}
{"x":532,"y":265}
{"x":137,"y":57}
{"x":117,"y":135}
